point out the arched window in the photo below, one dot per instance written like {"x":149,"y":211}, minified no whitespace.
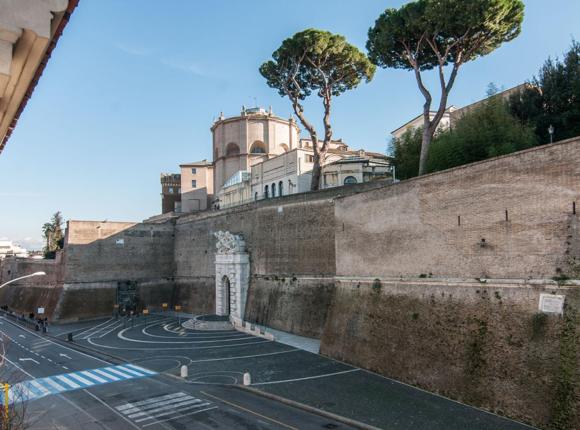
{"x":280,"y":189}
{"x":274,"y":190}
{"x":284,"y":147}
{"x":266,"y":192}
{"x":232,"y":149}
{"x":349,"y":180}
{"x":258,"y":148}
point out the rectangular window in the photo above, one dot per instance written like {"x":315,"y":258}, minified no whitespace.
{"x":170,"y":190}
{"x":193,"y":183}
{"x":194,"y":170}
{"x":310,"y":158}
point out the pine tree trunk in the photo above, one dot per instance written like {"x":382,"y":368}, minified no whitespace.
{"x":316,"y":173}
{"x":425,"y":144}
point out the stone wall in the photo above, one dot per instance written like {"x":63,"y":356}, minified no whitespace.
{"x":29,"y":294}
{"x":292,"y":304}
{"x":286,"y":239}
{"x":481,"y":343}
{"x":509,"y":217}
{"x":112,"y":251}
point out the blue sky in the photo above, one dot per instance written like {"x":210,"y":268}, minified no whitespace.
{"x":133,"y":87}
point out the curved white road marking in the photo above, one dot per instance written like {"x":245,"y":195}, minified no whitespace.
{"x":121,"y":335}
{"x":197,"y":335}
{"x":92,"y":342}
{"x":244,"y":356}
{"x":307,"y":377}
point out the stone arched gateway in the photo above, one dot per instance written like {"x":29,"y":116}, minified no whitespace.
{"x":232,"y":275}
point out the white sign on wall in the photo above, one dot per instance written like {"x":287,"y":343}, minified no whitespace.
{"x":552,"y":303}
{"x":120,"y":242}
{"x":40,"y":310}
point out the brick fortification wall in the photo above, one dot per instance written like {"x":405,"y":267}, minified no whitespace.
{"x":454,"y":223}
{"x":478,"y":340}
{"x":99,"y":255}
{"x":291,"y":246}
{"x":434,"y":281}
{"x":29,"y":294}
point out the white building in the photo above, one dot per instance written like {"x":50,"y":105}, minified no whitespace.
{"x":453,"y":114}
{"x":356,"y":169}
{"x":10,"y":249}
{"x":258,"y":155}
{"x":417,"y":122}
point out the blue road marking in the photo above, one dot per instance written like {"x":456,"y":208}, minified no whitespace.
{"x":37,"y":388}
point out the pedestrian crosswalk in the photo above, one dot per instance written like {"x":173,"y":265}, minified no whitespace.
{"x":41,"y":387}
{"x":164,"y":408}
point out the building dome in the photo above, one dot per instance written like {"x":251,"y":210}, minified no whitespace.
{"x":255,"y":135}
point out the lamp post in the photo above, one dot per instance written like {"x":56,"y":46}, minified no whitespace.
{"x":551,"y":131}
{"x":24,"y":277}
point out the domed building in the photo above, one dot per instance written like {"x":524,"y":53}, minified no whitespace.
{"x":252,"y":137}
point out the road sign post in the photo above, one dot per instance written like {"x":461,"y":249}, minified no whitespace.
{"x":145,"y":313}
{"x":6,"y":406}
{"x":178,"y":309}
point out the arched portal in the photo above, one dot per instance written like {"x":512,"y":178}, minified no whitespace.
{"x":232,"y":265}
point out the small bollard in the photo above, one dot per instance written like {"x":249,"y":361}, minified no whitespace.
{"x":70,"y":337}
{"x":184,"y":371}
{"x":247,"y":378}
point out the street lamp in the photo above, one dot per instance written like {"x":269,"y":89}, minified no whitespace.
{"x":23,"y":277}
{"x":551,"y":131}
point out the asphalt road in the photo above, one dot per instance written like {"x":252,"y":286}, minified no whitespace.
{"x":216,"y":359}
{"x":71,"y":389}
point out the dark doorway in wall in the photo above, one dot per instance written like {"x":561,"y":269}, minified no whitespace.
{"x":227,"y":294}
{"x":127,"y":297}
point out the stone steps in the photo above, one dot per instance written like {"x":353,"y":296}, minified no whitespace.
{"x":197,"y":324}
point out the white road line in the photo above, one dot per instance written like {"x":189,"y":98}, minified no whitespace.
{"x":106,"y":375}
{"x":307,"y":377}
{"x":127,"y":370}
{"x":113,"y":329}
{"x":153,"y":405}
{"x":25,"y":392}
{"x":95,"y":377}
{"x":122,"y":336}
{"x":92,"y":328}
{"x":81,"y":379}
{"x":189,"y":401}
{"x":52,"y":383}
{"x":59,"y":345}
{"x":109,"y":407}
{"x":116,"y":372}
{"x":39,"y":387}
{"x":179,"y":416}
{"x":244,"y":356}
{"x":68,"y":381}
{"x":173,"y":411}
{"x":189,"y":348}
{"x":141,"y":369}
{"x":149,"y":401}
{"x":163,"y":414}
{"x":94,"y":333}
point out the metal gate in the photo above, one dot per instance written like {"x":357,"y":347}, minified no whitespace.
{"x":127,"y":297}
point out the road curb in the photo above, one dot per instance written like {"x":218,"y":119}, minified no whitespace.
{"x":308,"y":408}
